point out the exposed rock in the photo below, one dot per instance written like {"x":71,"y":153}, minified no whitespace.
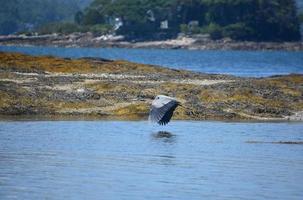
{"x":46,"y":85}
{"x":195,"y":42}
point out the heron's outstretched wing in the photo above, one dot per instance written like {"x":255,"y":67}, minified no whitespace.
{"x":163,"y":114}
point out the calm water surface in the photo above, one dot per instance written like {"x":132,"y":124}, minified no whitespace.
{"x":131,"y":160}
{"x":239,"y":63}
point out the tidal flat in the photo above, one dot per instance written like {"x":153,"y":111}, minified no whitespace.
{"x":118,"y":89}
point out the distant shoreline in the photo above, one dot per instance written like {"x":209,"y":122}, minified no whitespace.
{"x":198,"y":42}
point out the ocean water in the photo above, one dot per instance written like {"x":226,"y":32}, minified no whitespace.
{"x":239,"y":63}
{"x":138,"y":160}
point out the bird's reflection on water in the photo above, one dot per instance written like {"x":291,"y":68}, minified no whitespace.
{"x":164,"y":136}
{"x":165,"y":154}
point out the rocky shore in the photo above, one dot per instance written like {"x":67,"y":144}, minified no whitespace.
{"x":100,"y":88}
{"x":197,"y":42}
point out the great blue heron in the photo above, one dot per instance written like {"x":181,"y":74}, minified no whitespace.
{"x":162,"y":109}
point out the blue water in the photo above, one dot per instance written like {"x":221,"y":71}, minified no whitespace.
{"x":239,"y":63}
{"x":131,"y":160}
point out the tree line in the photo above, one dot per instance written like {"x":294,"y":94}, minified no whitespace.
{"x":257,"y":20}
{"x":260,"y":20}
{"x":21,"y":15}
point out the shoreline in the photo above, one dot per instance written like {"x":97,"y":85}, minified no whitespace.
{"x":42,"y":118}
{"x":97,"y":88}
{"x":198,"y":42}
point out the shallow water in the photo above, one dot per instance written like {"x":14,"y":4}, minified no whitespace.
{"x":133,"y":160}
{"x":239,"y":63}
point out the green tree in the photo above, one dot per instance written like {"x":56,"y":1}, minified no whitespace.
{"x":93,"y":17}
{"x":238,"y":31}
{"x":301,"y":18}
{"x":266,"y":20}
{"x":28,"y":14}
{"x":79,"y":17}
{"x":276,"y":20}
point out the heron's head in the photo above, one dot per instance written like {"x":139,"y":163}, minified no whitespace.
{"x":162,"y":100}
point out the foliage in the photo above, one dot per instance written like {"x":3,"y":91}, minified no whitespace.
{"x":79,"y":17}
{"x":187,"y":29}
{"x":60,"y":27}
{"x":238,"y":31}
{"x":275,"y":20}
{"x":19,"y":15}
{"x":8,"y":26}
{"x":101,"y":29}
{"x":259,"y":20}
{"x":214,"y":30}
{"x":69,"y":27}
{"x":301,"y":17}
{"x":92,"y":17}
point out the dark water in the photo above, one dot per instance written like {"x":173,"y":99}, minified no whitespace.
{"x":239,"y":63}
{"x":131,"y":160}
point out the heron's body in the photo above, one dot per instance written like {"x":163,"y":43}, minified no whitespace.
{"x":162,"y":109}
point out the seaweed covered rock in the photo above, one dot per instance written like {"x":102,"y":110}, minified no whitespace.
{"x":43,"y":85}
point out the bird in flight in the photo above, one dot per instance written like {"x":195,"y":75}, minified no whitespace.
{"x":162,"y":109}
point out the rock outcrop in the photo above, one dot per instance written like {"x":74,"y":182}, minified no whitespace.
{"x":100,"y":88}
{"x":198,"y":42}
